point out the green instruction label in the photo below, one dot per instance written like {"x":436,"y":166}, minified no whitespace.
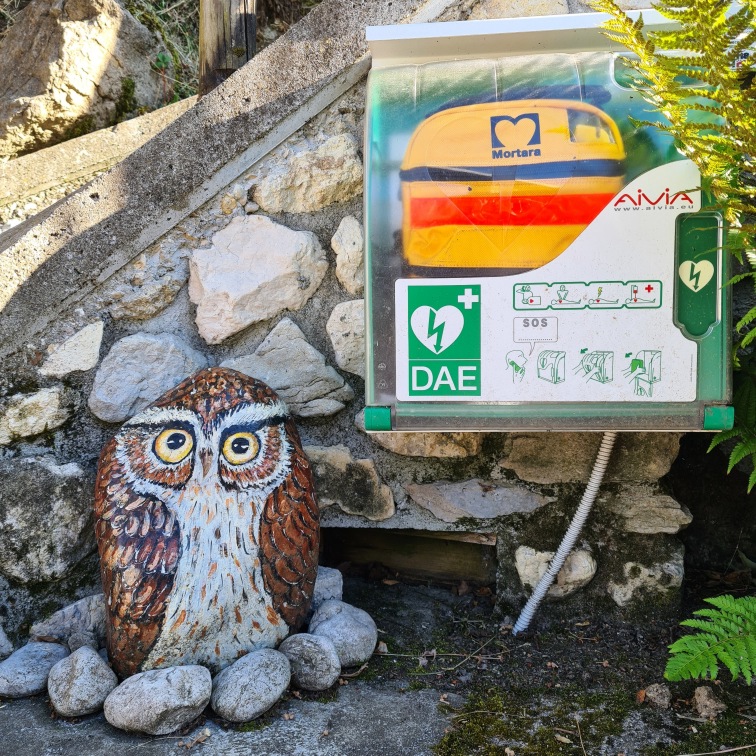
{"x":444,"y":340}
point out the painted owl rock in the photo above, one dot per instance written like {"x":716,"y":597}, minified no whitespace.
{"x":207,"y":526}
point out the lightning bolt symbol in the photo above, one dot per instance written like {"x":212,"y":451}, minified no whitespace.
{"x":437,"y":329}
{"x":693,"y":276}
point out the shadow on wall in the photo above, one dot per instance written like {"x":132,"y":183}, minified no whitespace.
{"x":724,"y":515}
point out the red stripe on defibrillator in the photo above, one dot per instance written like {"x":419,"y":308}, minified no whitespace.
{"x":555,"y":210}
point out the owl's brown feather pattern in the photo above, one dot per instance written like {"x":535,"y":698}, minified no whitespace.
{"x":139,"y":548}
{"x":289,"y":538}
{"x":207,"y":526}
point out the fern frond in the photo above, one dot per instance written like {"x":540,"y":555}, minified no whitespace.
{"x":727,"y":635}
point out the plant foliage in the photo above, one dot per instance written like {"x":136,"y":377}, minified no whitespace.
{"x":699,"y":78}
{"x":726,"y":635}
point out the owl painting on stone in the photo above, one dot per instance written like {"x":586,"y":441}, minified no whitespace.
{"x":207,"y":526}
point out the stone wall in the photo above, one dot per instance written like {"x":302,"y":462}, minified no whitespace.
{"x":266,"y":277}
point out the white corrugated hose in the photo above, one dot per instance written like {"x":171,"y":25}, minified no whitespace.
{"x":581,"y":515}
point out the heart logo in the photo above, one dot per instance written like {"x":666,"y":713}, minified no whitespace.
{"x":696,"y":275}
{"x":517,"y":132}
{"x":437,"y":329}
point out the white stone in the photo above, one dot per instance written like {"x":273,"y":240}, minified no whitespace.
{"x":25,"y":671}
{"x":351,"y":630}
{"x":80,"y":683}
{"x":80,"y":352}
{"x":314,"y":661}
{"x":83,"y":618}
{"x":442,"y":445}
{"x":251,"y":685}
{"x":137,"y":370}
{"x":346,"y":329}
{"x":30,"y":414}
{"x":159,"y":701}
{"x":69,"y":62}
{"x":348,"y":245}
{"x":352,"y":484}
{"x":291,"y":366}
{"x":577,"y":571}
{"x":641,"y":579}
{"x":6,"y":647}
{"x":305,"y":176}
{"x":329,"y":584}
{"x":45,"y":518}
{"x":255,"y":270}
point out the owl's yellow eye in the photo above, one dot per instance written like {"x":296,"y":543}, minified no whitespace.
{"x":173,"y":445}
{"x":240,"y":448}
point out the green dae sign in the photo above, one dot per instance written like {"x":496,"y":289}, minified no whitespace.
{"x":444,"y":340}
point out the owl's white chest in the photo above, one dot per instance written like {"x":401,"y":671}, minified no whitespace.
{"x":218,"y":609}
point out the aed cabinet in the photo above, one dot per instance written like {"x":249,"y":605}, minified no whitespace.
{"x":536,"y":257}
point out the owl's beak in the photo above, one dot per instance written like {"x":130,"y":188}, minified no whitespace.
{"x":207,"y":461}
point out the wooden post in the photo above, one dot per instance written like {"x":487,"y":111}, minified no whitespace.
{"x":227,"y":30}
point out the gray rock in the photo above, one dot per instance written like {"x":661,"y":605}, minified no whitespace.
{"x":6,"y":647}
{"x":348,"y":244}
{"x":306,"y":175}
{"x":251,"y":685}
{"x":82,"y":640}
{"x":45,"y":518}
{"x":659,"y":695}
{"x":137,"y":370}
{"x":314,"y":661}
{"x":297,"y":371}
{"x":346,"y":329}
{"x":25,"y":671}
{"x":255,"y":270}
{"x":474,"y":498}
{"x":70,"y":61}
{"x":149,"y":283}
{"x":351,"y":484}
{"x":31,"y":414}
{"x":159,"y":701}
{"x":80,"y":683}
{"x":351,"y":630}
{"x":706,"y":704}
{"x":79,"y":352}
{"x":329,"y":584}
{"x":82,"y":623}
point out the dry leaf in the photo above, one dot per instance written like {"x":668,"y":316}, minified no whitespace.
{"x":563,"y":739}
{"x":422,"y":661}
{"x":390,"y":582}
{"x":463,"y":588}
{"x":582,"y":624}
{"x":604,"y":663}
{"x":640,"y":696}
